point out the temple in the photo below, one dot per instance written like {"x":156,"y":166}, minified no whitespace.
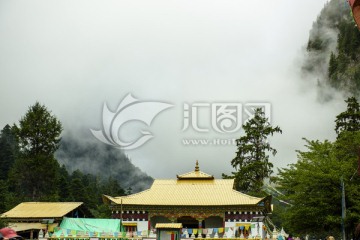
{"x":202,"y":204}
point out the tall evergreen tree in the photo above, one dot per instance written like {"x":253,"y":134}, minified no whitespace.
{"x":349,"y":121}
{"x":35,"y":173}
{"x":39,"y":132}
{"x":252,"y":163}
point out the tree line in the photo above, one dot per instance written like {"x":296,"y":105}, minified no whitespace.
{"x":307,"y":194}
{"x":29,"y":170}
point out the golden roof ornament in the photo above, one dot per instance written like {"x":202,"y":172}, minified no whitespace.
{"x":197,"y":166}
{"x":195,"y":175}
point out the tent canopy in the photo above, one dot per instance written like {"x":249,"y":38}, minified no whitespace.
{"x":90,"y":225}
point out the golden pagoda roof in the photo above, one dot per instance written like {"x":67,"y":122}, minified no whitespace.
{"x":195,"y":188}
{"x":41,"y":210}
{"x":214,"y":192}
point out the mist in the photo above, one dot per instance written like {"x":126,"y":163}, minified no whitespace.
{"x":74,"y":56}
{"x":100,"y":160}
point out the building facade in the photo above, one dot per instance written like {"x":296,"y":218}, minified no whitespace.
{"x":202,"y":204}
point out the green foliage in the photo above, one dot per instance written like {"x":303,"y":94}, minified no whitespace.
{"x":39,"y":132}
{"x":35,"y":171}
{"x":89,"y":189}
{"x":30,"y":172}
{"x":315,"y":45}
{"x":349,"y":121}
{"x":252,"y":161}
{"x":343,"y":68}
{"x":8,"y":151}
{"x":35,"y":178}
{"x":98,"y":159}
{"x":312,"y":185}
{"x":334,"y":59}
{"x":64,"y":185}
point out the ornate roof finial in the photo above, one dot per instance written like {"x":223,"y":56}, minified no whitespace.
{"x":197,"y":166}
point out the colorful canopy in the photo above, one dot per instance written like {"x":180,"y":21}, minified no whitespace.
{"x":355,"y":8}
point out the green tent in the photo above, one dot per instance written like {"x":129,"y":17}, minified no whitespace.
{"x":89,"y":225}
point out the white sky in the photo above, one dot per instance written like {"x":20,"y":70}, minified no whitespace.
{"x":73,"y":56}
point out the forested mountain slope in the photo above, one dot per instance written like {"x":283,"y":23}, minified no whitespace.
{"x":333,"y":50}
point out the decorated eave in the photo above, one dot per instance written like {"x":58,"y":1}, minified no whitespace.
{"x":193,"y":189}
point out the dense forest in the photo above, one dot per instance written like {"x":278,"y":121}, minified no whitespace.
{"x":36,"y":164}
{"x":333,"y":50}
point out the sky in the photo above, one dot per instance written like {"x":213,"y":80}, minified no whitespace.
{"x":75,"y":56}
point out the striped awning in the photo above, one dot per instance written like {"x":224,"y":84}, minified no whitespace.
{"x":168,"y":225}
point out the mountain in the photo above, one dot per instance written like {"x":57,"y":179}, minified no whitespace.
{"x":96,"y":158}
{"x":333,"y":51}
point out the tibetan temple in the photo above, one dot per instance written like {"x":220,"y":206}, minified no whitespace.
{"x":202,"y":204}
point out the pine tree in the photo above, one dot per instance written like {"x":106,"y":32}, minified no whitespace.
{"x":349,"y":121}
{"x":35,"y":172}
{"x":252,"y":163}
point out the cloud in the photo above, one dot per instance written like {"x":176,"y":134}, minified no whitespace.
{"x":75,"y":55}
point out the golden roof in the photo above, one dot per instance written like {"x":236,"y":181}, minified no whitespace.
{"x":41,"y":210}
{"x":214,"y":192}
{"x":168,"y":225}
{"x":190,"y":189}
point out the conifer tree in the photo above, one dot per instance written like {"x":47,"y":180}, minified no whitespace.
{"x":251,"y":162}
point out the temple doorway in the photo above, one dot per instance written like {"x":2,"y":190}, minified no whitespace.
{"x":188,"y":222}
